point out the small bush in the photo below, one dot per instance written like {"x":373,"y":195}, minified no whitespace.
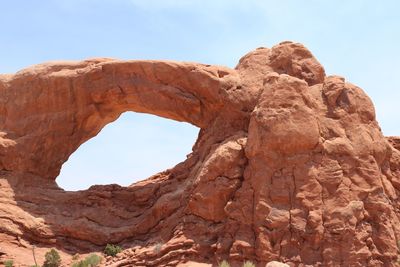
{"x":9,"y":263}
{"x":112,"y":250}
{"x":93,"y":260}
{"x":52,"y":259}
{"x":224,"y":263}
{"x":90,"y":261}
{"x":248,"y":264}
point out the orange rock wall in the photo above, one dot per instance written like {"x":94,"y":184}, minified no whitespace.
{"x":289,"y":165}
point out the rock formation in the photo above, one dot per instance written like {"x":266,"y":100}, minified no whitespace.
{"x":289,"y":165}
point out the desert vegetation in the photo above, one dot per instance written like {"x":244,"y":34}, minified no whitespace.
{"x":52,"y":259}
{"x":90,"y":261}
{"x":112,"y":250}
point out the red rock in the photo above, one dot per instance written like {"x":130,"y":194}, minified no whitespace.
{"x":289,"y":165}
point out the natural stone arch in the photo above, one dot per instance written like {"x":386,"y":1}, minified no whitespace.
{"x":78,"y":99}
{"x":289,"y":164}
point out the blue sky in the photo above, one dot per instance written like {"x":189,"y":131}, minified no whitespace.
{"x":357,"y":39}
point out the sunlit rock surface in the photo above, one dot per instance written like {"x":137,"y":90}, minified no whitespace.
{"x":290,"y":165}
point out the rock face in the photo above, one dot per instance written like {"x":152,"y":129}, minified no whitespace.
{"x":290,"y":164}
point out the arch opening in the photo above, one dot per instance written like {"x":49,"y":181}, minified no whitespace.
{"x":128,"y":150}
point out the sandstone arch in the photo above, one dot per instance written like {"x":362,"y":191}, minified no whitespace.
{"x":65,"y":104}
{"x":289,"y":165}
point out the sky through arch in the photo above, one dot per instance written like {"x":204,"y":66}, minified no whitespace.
{"x":130,"y":149}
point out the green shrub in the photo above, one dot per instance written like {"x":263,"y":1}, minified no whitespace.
{"x":248,"y":264}
{"x":52,"y":259}
{"x":9,"y":263}
{"x":90,"y":261}
{"x":112,"y":250}
{"x":224,"y":263}
{"x":93,"y":260}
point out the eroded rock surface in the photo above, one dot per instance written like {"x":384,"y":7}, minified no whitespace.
{"x":290,"y":164}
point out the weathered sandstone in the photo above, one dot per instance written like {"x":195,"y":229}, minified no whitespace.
{"x":290,"y":164}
